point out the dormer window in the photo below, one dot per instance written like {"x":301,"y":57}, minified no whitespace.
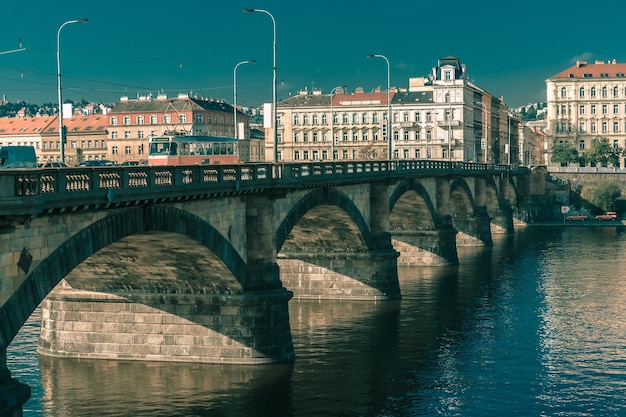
{"x":447,"y":75}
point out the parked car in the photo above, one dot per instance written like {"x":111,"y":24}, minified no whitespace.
{"x":134,"y":162}
{"x":578,"y":217}
{"x":96,"y":163}
{"x":609,"y":215}
{"x":52,"y":164}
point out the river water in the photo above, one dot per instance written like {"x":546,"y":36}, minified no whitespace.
{"x":533,"y":326}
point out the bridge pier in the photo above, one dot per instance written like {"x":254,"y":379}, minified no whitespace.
{"x":372,"y":275}
{"x":427,"y":247}
{"x":243,"y":328}
{"x":502,"y":221}
{"x":475,"y":230}
{"x":13,"y":394}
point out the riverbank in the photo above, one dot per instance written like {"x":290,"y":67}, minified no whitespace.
{"x":575,"y":223}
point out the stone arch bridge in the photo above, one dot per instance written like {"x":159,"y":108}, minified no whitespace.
{"x":199,"y":263}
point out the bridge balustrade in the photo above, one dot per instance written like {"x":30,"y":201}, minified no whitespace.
{"x":28,"y":191}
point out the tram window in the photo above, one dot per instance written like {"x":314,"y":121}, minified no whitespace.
{"x":174,"y":149}
{"x":159,"y":148}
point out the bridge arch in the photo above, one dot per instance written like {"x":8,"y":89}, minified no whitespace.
{"x":71,"y":253}
{"x":420,"y":189}
{"x":461,"y":198}
{"x":319,"y":197}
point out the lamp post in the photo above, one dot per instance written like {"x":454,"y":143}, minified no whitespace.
{"x":485,"y":107}
{"x":389,"y":122}
{"x":274,"y":119}
{"x":61,"y":132}
{"x":235,"y":92}
{"x":508,"y":153}
{"x":332,"y":122}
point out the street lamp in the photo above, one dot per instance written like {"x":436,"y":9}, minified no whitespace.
{"x":485,"y":107}
{"x":508,"y":153}
{"x":61,"y":132}
{"x":274,"y":119}
{"x":235,"y":92}
{"x":389,"y":122}
{"x":332,"y":122}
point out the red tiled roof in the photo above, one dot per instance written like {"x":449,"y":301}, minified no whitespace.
{"x":598,"y":70}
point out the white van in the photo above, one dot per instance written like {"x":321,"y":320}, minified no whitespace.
{"x":17,"y":157}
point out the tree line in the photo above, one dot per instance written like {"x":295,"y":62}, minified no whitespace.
{"x":602,"y":153}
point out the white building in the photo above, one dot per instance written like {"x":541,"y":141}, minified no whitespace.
{"x":587,"y":102}
{"x":443,"y":116}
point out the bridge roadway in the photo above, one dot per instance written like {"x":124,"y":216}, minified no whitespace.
{"x":198,"y":263}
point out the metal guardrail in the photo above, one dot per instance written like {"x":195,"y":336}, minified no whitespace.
{"x":35,"y":191}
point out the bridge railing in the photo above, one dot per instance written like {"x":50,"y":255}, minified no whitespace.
{"x":30,"y":190}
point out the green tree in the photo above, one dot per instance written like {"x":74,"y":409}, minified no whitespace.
{"x":603,"y":194}
{"x":564,"y":153}
{"x":603,"y":153}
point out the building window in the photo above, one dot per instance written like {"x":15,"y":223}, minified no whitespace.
{"x":324,"y":119}
{"x":406,"y":135}
{"x":305,"y":137}
{"x":208,"y":119}
{"x":296,"y":138}
{"x":126,"y":120}
{"x":418,"y":154}
{"x":615,"y":92}
{"x":324,"y":154}
{"x":364,"y":137}
{"x":563,"y":92}
{"x":315,"y":136}
{"x":344,"y":118}
{"x":198,"y":118}
{"x":615,"y":108}
{"x":127,"y":150}
{"x":417,"y":117}
{"x":364,"y":118}
{"x":375,"y":136}
{"x":154,"y":119}
{"x":305,"y":155}
{"x":140,"y":120}
{"x":167,"y":118}
{"x":605,"y":127}
{"x":615,"y":126}
{"x":406,"y":153}
{"x":582,"y":128}
{"x":305,"y":119}
{"x":604,"y":92}
{"x":581,"y":109}
{"x":296,"y":119}
{"x":375,"y":118}
{"x":429,"y":117}
{"x":114,"y":150}
{"x":581,"y":145}
{"x":593,"y":92}
{"x":182,"y":118}
{"x":429,"y":134}
{"x":345,"y":136}
{"x":581,"y":92}
{"x":594,"y":127}
{"x":605,"y":109}
{"x":140,"y":149}
{"x":593,"y":109}
{"x":127,"y":134}
{"x":355,"y":136}
{"x":355,"y":118}
{"x":315,"y":119}
{"x":114,"y":134}
{"x":316,"y":155}
{"x":296,"y":155}
{"x":114,"y":121}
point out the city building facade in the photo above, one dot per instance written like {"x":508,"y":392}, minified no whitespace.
{"x":133,"y":122}
{"x":86,"y":136}
{"x":443,"y":116}
{"x":587,"y":102}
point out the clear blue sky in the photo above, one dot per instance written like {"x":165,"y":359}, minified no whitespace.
{"x":141,"y":46}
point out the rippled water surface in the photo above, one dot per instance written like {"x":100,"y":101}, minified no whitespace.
{"x":534,"y":326}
